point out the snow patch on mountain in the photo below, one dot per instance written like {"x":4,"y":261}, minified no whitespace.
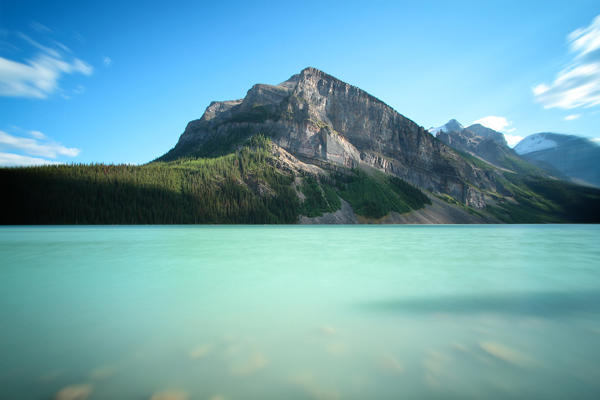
{"x":535,"y":142}
{"x":452,"y":125}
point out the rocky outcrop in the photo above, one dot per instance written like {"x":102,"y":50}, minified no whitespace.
{"x":488,"y":133}
{"x":486,"y":148}
{"x":492,"y":148}
{"x":452,"y":125}
{"x":322,"y":120}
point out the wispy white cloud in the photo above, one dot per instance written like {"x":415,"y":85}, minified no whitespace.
{"x":495,"y":123}
{"x":503,"y":125}
{"x":37,"y":134}
{"x":578,"y":85}
{"x":39,"y":27}
{"x":512,"y":140}
{"x":62,"y":46}
{"x":572,"y":117}
{"x":51,"y":52}
{"x":107,"y":62}
{"x":595,"y":140}
{"x":34,"y":147}
{"x":16,"y":160}
{"x":39,"y":76}
{"x":79,"y":37}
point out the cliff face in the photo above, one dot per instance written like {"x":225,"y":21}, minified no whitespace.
{"x":325,"y":121}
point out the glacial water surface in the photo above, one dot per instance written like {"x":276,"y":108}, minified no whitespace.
{"x":293,"y":312}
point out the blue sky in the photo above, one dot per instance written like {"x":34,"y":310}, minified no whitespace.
{"x":117,"y":82}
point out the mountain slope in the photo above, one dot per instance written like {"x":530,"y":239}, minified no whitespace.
{"x":452,"y":125}
{"x":491,"y":146}
{"x":323,"y":120}
{"x":310,"y":149}
{"x":488,"y":133}
{"x":574,"y":156}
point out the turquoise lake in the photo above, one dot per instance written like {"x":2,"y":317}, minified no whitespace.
{"x":294,"y":312}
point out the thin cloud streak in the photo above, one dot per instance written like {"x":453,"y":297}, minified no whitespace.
{"x":33,"y":148}
{"x":45,"y":49}
{"x":37,"y":134}
{"x":39,"y":27}
{"x":16,"y":160}
{"x":578,"y":85}
{"x":39,"y":76}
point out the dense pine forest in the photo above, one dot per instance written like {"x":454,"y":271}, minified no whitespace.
{"x":186,"y":191}
{"x":245,"y":187}
{"x":242,"y":187}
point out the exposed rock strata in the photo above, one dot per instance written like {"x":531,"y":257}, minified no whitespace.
{"x":486,"y":148}
{"x":488,"y":133}
{"x":492,"y":147}
{"x":323,"y":120}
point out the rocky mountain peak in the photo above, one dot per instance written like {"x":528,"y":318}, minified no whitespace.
{"x":327,"y":122}
{"x":486,"y":132}
{"x":452,"y":125}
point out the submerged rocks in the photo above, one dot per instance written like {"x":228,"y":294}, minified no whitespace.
{"x":170,"y":395}
{"x":74,"y":392}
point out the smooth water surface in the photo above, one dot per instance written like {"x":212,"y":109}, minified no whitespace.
{"x":293,"y":312}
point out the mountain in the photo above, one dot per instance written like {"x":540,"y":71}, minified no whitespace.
{"x":312,"y":149}
{"x":452,"y":125}
{"x":337,"y":130}
{"x":491,"y":146}
{"x":322,"y":120}
{"x":574,"y":156}
{"x":475,"y":130}
{"x":485,"y":148}
{"x":488,"y":133}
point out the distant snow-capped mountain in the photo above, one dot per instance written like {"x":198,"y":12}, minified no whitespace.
{"x":574,"y":156}
{"x":452,"y":125}
{"x":482,"y":142}
{"x":535,"y":142}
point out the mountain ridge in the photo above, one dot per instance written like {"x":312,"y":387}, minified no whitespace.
{"x":312,"y":149}
{"x":576,"y":157}
{"x":327,"y":120}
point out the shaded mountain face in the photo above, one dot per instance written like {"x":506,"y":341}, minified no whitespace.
{"x":491,"y":146}
{"x":488,"y":133}
{"x":486,"y":148}
{"x":476,"y":129}
{"x":476,"y":140}
{"x":327,"y":122}
{"x":574,"y":156}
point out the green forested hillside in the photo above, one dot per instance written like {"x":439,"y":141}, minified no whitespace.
{"x":187,"y":191}
{"x":245,"y":187}
{"x":242,"y":187}
{"x":542,"y":200}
